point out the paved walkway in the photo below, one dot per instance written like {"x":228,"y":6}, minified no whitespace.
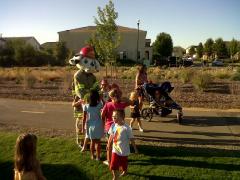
{"x":200,"y":126}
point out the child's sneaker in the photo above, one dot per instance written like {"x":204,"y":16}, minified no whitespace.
{"x":106,"y":162}
{"x":79,"y":145}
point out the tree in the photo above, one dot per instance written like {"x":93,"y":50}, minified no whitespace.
{"x":61,"y":53}
{"x":192,"y":50}
{"x":220,"y":48}
{"x":200,"y":50}
{"x":106,"y":38}
{"x":208,"y":47}
{"x":163,"y":45}
{"x":233,"y":47}
{"x":24,"y":53}
{"x":7,"y":56}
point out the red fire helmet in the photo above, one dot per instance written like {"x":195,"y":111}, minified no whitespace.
{"x":87,"y":51}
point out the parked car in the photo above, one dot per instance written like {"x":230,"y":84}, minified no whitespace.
{"x":186,"y":62}
{"x":217,"y":62}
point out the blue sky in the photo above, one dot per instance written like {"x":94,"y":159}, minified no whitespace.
{"x":187,"y":21}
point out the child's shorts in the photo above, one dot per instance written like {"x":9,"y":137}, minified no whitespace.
{"x":118,"y":162}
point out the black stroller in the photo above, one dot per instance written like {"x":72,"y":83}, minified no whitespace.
{"x":163,"y":108}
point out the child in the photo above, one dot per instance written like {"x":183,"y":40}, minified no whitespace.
{"x":104,"y":91}
{"x":93,"y":122}
{"x":163,"y":100}
{"x":26,"y":165}
{"x":120,"y":135}
{"x":77,"y":108}
{"x":135,"y":110}
{"x":159,"y":98}
{"x":108,"y":109}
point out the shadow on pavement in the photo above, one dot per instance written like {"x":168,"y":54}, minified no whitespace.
{"x":210,"y":134}
{"x":207,"y":121}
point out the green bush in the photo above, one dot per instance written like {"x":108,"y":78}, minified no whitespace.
{"x":235,"y":76}
{"x":29,"y":80}
{"x":238,"y":70}
{"x":186,"y":75}
{"x":202,"y":80}
{"x":223,"y":75}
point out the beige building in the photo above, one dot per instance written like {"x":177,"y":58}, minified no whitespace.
{"x":77,"y":38}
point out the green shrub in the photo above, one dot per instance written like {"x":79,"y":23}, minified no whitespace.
{"x":186,"y":75}
{"x":29,"y":79}
{"x":67,"y":81}
{"x":235,"y":76}
{"x":238,"y":69}
{"x":202,"y":80}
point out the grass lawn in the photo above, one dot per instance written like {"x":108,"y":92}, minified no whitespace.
{"x":61,"y":159}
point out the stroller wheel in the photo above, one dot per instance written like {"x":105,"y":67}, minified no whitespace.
{"x":147,"y":114}
{"x":179,"y":117}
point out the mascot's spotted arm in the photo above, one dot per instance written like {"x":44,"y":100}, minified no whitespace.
{"x":83,"y":81}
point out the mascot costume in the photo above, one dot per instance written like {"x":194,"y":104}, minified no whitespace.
{"x":83,"y":81}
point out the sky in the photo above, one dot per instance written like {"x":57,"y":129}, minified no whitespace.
{"x":187,"y":21}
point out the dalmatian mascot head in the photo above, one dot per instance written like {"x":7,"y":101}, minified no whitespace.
{"x":85,"y":60}
{"x":84,"y":80}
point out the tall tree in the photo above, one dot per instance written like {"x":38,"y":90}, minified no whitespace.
{"x":233,"y":47}
{"x":200,"y":50}
{"x":192,"y":50}
{"x":163,"y":45}
{"x":220,"y":48}
{"x":61,"y":53}
{"x":208,"y":47}
{"x":106,"y":38}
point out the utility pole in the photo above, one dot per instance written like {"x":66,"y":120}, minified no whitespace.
{"x":137,"y":37}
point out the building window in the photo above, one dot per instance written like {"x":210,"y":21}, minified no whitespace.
{"x":147,"y":44}
{"x":123,"y":55}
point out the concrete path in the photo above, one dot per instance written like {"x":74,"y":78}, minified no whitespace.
{"x":200,"y":126}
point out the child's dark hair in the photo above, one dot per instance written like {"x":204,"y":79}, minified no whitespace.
{"x":94,"y":98}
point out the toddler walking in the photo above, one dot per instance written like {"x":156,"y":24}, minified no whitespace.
{"x":135,"y":110}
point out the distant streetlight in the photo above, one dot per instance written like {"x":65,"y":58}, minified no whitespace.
{"x":138,"y":38}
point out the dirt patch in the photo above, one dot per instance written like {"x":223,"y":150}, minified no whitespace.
{"x":222,"y":95}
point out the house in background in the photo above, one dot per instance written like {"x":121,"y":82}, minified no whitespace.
{"x":77,"y":38}
{"x":28,"y":40}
